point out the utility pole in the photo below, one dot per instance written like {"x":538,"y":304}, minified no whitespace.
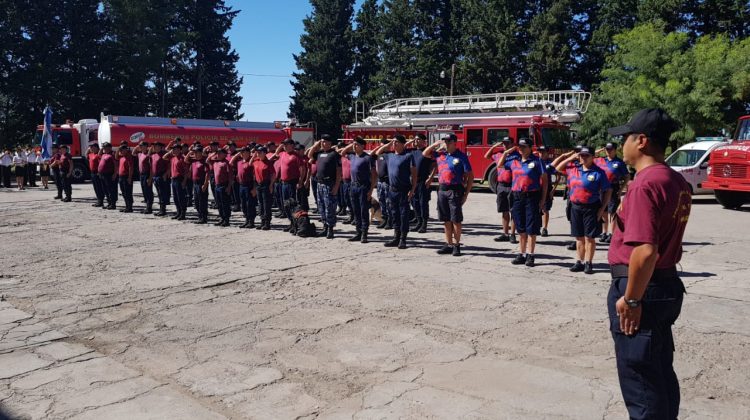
{"x":453,"y":76}
{"x":200,"y":91}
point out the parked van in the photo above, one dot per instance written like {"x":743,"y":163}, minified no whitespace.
{"x":691,"y":160}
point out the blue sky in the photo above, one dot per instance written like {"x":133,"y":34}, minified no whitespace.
{"x":265,"y":35}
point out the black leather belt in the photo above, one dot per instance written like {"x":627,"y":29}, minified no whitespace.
{"x":448,"y":187}
{"x":621,"y":270}
{"x":526,"y":193}
{"x":291,"y":181}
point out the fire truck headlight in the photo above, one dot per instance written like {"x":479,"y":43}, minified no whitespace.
{"x":710,"y":169}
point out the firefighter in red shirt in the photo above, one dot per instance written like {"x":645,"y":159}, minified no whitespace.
{"x":292,"y":171}
{"x":178,"y":170}
{"x":265,"y":177}
{"x":224,"y":183}
{"x":108,"y":175}
{"x":92,"y":154}
{"x":158,"y":177}
{"x":645,"y":297}
{"x":125,"y":174}
{"x":198,"y":172}
{"x":66,"y":172}
{"x":144,"y":172}
{"x":243,"y":167}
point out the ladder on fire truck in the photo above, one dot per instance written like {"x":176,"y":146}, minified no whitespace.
{"x":565,"y":106}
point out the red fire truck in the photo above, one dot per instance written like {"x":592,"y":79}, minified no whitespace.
{"x":117,"y":129}
{"x":728,"y":173}
{"x":479,"y":121}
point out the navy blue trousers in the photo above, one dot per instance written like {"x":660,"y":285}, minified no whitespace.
{"x":644,"y":361}
{"x":399,"y":202}
{"x":148,"y":191}
{"x":360,"y":206}
{"x":247,"y":202}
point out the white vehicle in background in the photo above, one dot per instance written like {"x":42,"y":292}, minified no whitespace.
{"x":691,"y":160}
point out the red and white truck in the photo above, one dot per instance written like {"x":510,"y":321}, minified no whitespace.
{"x":479,"y":121}
{"x":116,"y":129}
{"x":729,"y":168}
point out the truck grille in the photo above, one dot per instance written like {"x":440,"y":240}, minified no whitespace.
{"x":730,"y":170}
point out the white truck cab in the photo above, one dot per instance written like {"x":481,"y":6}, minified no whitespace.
{"x":691,"y":160}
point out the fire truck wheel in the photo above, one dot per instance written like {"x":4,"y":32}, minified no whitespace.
{"x":79,"y":173}
{"x":492,"y":178}
{"x":729,"y":199}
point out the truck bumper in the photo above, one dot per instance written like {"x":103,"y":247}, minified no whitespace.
{"x":727,"y":186}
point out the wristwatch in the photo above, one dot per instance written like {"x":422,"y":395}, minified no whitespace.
{"x":633,"y":303}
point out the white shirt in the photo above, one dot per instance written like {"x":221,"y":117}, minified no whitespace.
{"x":19,"y":159}
{"x":6,"y":160}
{"x":32,"y":158}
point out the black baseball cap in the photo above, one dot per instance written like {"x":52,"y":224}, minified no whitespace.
{"x":654,"y":123}
{"x":384,"y":141}
{"x":578,"y":148}
{"x":507,"y":139}
{"x":542,"y":148}
{"x":94,"y":145}
{"x":421,"y":136}
{"x":610,"y":145}
{"x":222,"y":150}
{"x":399,"y":138}
{"x":261,"y":149}
{"x":360,"y":141}
{"x":288,"y":141}
{"x":450,"y":137}
{"x":326,"y":137}
{"x":523,"y":141}
{"x":105,"y":144}
{"x":586,"y":150}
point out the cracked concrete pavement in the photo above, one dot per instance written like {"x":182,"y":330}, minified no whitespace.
{"x":110,"y":315}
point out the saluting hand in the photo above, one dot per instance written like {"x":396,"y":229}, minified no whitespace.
{"x":410,"y":195}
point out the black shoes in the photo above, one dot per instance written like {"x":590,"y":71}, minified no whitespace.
{"x":402,"y":242}
{"x":364,"y":238}
{"x":588,"y":268}
{"x":544,"y":233}
{"x":383,"y":222}
{"x":446,"y":249}
{"x":519,"y":260}
{"x":530,"y":261}
{"x":324,"y":233}
{"x":66,"y":200}
{"x":457,"y":250}
{"x":571,"y":246}
{"x":422,"y":228}
{"x":393,"y":242}
{"x":356,"y":238}
{"x":502,"y":238}
{"x":329,"y":235}
{"x":201,"y":222}
{"x":577,"y":267}
{"x":97,"y":205}
{"x":513,"y":239}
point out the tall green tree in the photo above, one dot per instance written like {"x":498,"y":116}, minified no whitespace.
{"x":323,"y":84}
{"x":366,"y":39}
{"x":398,"y":50}
{"x":436,"y":40}
{"x":705,"y":85}
{"x":549,"y":60}
{"x":492,"y":56}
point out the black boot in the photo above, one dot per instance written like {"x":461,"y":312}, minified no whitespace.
{"x":225,"y":223}
{"x":162,"y":211}
{"x":383,"y":222}
{"x":250,"y":224}
{"x":330,"y":233}
{"x":394,"y":242}
{"x":389,"y":224}
{"x":182,"y":215}
{"x":423,"y":226}
{"x":176,"y":215}
{"x":350,"y":220}
{"x":266,"y":225}
{"x":324,"y":233}
{"x":356,"y":238}
{"x":364,"y":237}
{"x":148,"y":209}
{"x":402,"y":241}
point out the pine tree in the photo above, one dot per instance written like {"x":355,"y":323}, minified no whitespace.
{"x":323,"y":85}
{"x":729,"y":17}
{"x":435,"y":35}
{"x":492,"y":54}
{"x":398,"y":50}
{"x":366,"y":54}
{"x":549,"y":61}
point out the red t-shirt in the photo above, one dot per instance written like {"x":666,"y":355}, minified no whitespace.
{"x":655,"y":210}
{"x":346,"y":169}
{"x":158,"y":165}
{"x":65,"y":162}
{"x":94,"y":162}
{"x":245,"y":173}
{"x":198,"y":170}
{"x":144,"y":164}
{"x":107,"y":164}
{"x":263,"y":170}
{"x":289,"y":166}
{"x":221,"y":171}
{"x":125,"y":162}
{"x":178,"y":166}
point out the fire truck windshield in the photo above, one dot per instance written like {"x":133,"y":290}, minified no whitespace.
{"x":743,"y":130}
{"x":556,"y":138}
{"x":58,"y":137}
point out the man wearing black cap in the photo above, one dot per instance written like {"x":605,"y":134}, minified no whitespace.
{"x":213,"y":147}
{"x":456,"y":179}
{"x":224,"y":183}
{"x":66,"y":172}
{"x":159,"y":176}
{"x":198,"y":173}
{"x":265,"y":177}
{"x":125,"y":175}
{"x":108,"y":175}
{"x":589,"y":196}
{"x":303,"y":194}
{"x":504,"y":183}
{"x":645,"y":298}
{"x":364,"y":177}
{"x":425,"y":166}
{"x":292,"y":171}
{"x":92,"y":155}
{"x":381,"y":166}
{"x":242,"y":164}
{"x":402,"y":180}
{"x":144,"y":172}
{"x":53,"y":164}
{"x":178,"y":170}
{"x":618,"y":175}
{"x":329,"y":180}
{"x":189,"y":183}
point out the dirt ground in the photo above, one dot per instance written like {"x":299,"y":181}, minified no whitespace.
{"x":111,"y":315}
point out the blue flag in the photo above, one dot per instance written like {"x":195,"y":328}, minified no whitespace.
{"x":47,"y":134}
